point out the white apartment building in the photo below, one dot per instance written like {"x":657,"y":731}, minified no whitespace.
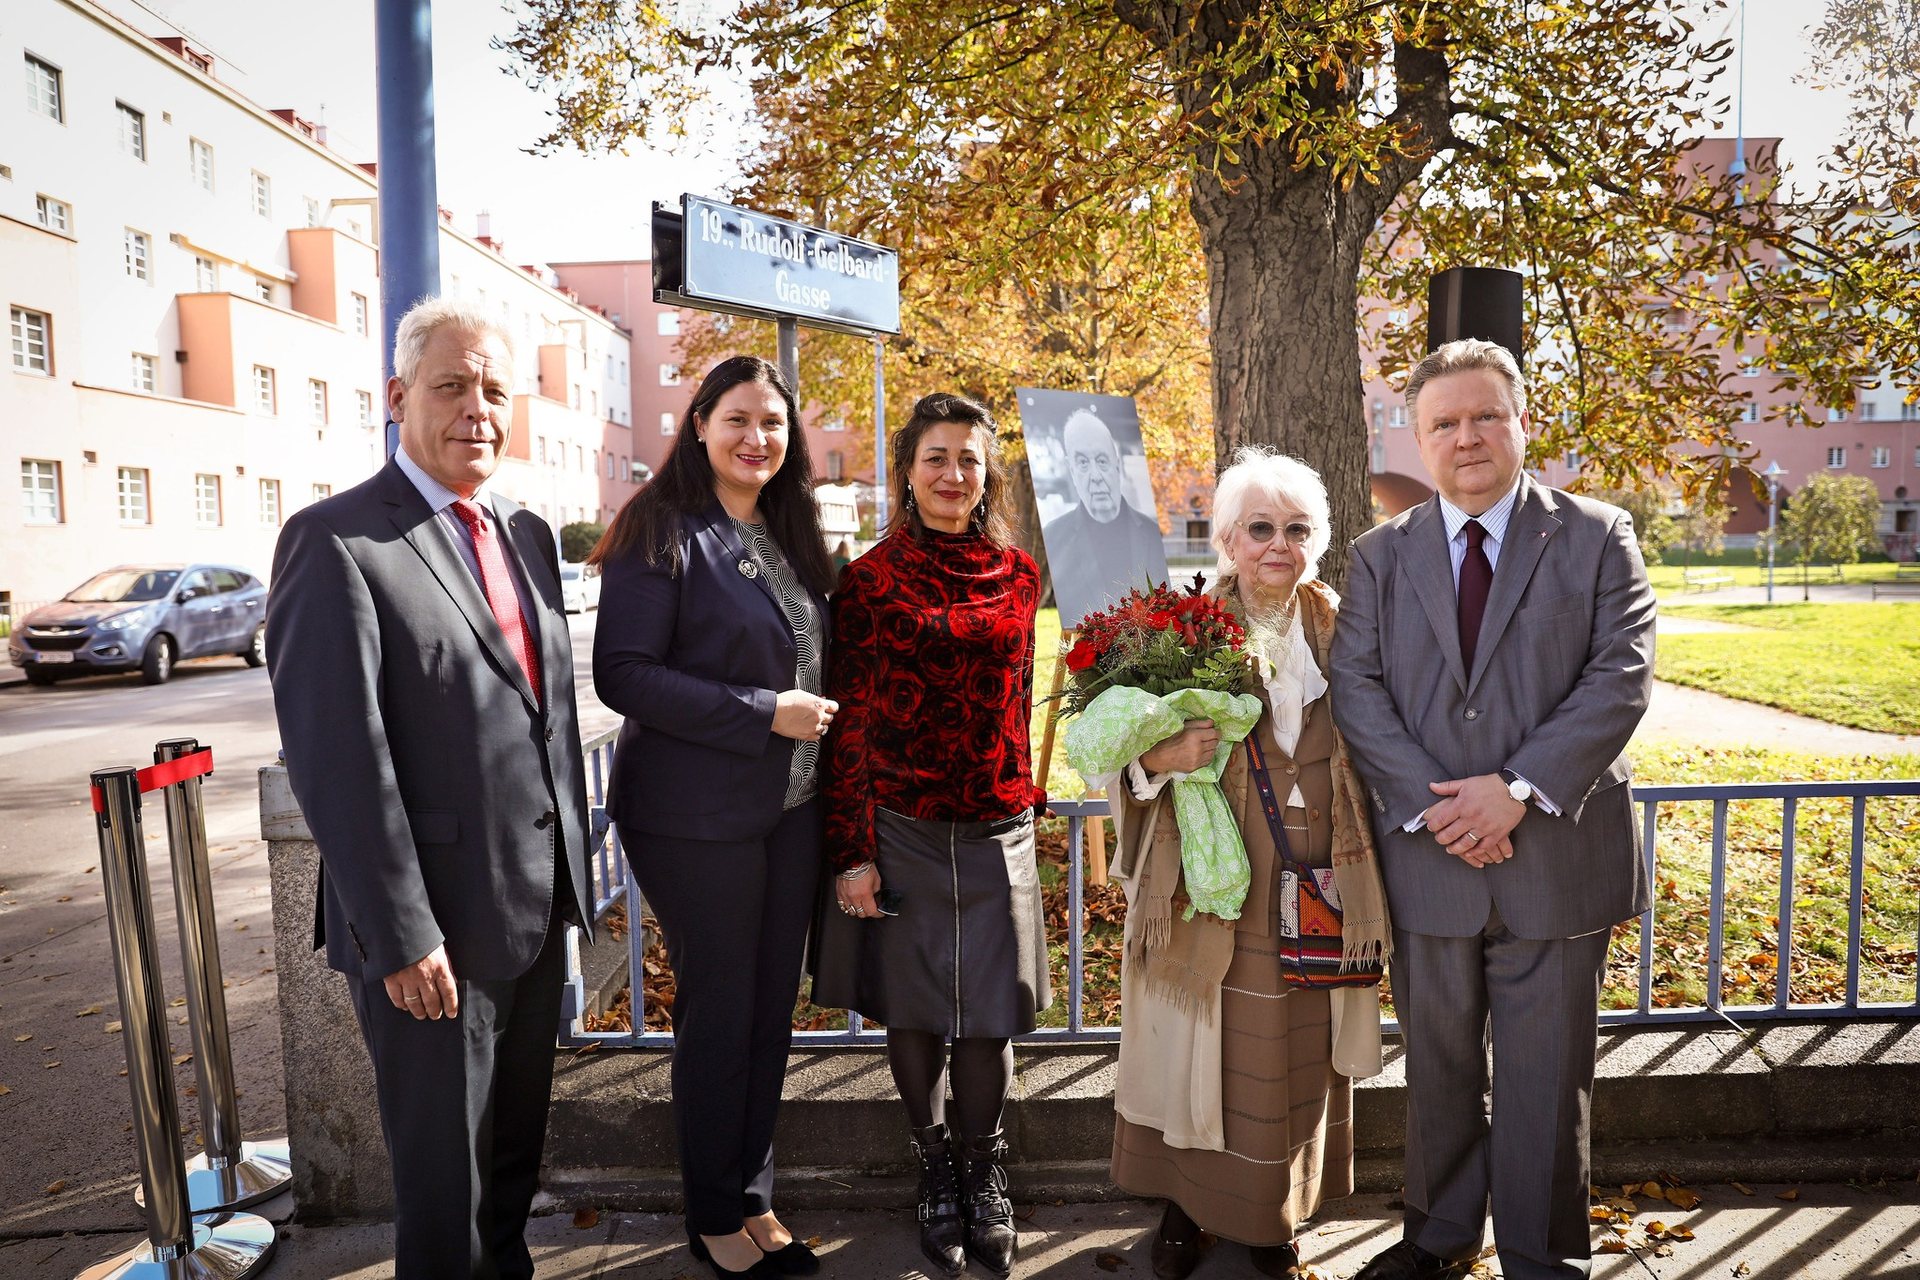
{"x":193,"y":318}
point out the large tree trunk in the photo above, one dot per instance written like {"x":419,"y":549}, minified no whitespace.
{"x":1283,"y":249}
{"x":1282,"y":260}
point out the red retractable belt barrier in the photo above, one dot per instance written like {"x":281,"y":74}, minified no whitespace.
{"x":156,"y":776}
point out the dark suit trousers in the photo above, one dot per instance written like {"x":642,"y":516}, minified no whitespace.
{"x":463,"y":1103}
{"x":1540,"y":999}
{"x":735,"y":916}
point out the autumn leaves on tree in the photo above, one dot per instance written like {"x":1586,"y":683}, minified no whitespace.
{"x":1188,"y":201}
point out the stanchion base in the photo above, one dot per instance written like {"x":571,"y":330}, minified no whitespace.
{"x":225,"y":1247}
{"x":264,"y":1170}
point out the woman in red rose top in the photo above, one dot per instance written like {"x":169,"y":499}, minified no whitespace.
{"x":929,"y":816}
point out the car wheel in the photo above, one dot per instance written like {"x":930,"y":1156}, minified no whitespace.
{"x":156,"y":665}
{"x":256,"y":654}
{"x":39,"y":677}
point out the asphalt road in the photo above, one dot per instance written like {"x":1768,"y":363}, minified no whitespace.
{"x":70,"y":1162}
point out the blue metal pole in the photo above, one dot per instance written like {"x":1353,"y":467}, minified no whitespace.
{"x":409,"y":192}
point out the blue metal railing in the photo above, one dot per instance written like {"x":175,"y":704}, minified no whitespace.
{"x":615,"y":884}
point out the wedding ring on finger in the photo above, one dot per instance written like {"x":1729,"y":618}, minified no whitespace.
{"x":1471,"y":836}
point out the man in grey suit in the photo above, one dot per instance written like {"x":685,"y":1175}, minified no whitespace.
{"x":423,"y":683}
{"x":1493,"y":656}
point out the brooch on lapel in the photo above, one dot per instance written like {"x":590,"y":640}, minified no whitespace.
{"x":748,"y":569}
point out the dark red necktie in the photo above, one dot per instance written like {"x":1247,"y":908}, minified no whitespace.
{"x":1476,"y":580}
{"x":496,"y":581}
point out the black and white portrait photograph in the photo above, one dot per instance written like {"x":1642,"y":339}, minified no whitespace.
{"x":1094,"y":495}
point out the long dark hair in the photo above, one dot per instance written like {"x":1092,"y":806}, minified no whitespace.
{"x":650,"y":521}
{"x":993,"y":518}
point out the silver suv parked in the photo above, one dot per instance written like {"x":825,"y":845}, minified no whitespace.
{"x":145,"y":617}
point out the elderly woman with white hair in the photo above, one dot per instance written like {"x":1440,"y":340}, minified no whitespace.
{"x":1234,"y":1096}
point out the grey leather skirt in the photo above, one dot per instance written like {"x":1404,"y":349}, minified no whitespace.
{"x":967,"y":953}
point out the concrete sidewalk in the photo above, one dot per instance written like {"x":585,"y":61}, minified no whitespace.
{"x":1828,"y":1232}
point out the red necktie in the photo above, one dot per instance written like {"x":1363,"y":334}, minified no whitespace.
{"x":496,"y":581}
{"x":1476,"y":579}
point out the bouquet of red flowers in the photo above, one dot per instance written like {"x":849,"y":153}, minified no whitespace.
{"x":1159,"y":640}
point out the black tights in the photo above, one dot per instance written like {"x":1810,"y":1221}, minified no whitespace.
{"x":981,"y":1072}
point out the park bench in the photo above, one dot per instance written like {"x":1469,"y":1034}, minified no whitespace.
{"x":1705,"y":580}
{"x":1905,"y":581}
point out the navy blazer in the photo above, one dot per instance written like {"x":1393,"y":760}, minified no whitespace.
{"x":695,"y":657}
{"x":441,"y":794}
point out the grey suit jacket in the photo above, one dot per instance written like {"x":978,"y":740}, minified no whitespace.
{"x":1562,"y":675}
{"x":441,"y":795}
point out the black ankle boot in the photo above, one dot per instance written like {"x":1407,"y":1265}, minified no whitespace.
{"x":941,"y":1237}
{"x":991,"y":1239}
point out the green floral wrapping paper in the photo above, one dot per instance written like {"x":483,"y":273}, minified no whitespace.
{"x":1122,"y":723}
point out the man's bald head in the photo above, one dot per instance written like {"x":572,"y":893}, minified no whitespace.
{"x":1093,"y":459}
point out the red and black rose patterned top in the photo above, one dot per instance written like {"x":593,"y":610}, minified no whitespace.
{"x":932,"y":664}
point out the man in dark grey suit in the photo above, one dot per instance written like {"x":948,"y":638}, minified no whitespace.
{"x":424,"y":687}
{"x":1494,"y":654}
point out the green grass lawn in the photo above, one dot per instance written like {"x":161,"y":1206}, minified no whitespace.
{"x":1747,"y":571}
{"x":1851,"y":664}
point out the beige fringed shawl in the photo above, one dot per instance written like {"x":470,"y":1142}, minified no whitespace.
{"x":1172,"y":968}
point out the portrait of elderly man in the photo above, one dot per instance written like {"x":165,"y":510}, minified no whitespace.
{"x":423,"y":682}
{"x":1103,"y":546}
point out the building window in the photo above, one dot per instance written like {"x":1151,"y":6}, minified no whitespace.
{"x":1398,"y":417}
{"x":669,"y":324}
{"x":1751,"y":413}
{"x":32,"y":340}
{"x":623,"y":371}
{"x":142,"y":372}
{"x":1882,"y":455}
{"x":43,"y":89}
{"x":1836,"y":415}
{"x":1837,"y":456}
{"x":265,"y":396}
{"x":313,"y":212}
{"x":133,"y":131}
{"x":40,"y":490}
{"x":139,"y":253}
{"x":206,"y":500}
{"x":262,"y":194}
{"x":1572,"y":461}
{"x":321,"y":492}
{"x":263,"y":289}
{"x":269,"y":502}
{"x":206,"y":275}
{"x":669,"y":375}
{"x":1379,"y":417}
{"x":55,"y":215}
{"x":360,"y":314}
{"x":1751,"y":368}
{"x":668,"y":424}
{"x":836,"y":464}
{"x":1909,"y":411}
{"x":626,"y":469}
{"x":610,"y":465}
{"x":130,"y":485}
{"x":540,"y":450}
{"x":200,"y":162}
{"x":317,"y":400}
{"x":363,"y":401}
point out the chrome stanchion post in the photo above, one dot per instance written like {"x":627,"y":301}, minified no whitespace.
{"x":231,"y":1173}
{"x":222,"y":1248}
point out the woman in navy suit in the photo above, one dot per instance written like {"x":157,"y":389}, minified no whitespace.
{"x":712,"y":643}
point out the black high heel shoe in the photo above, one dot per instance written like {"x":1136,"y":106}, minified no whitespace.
{"x":790,"y":1259}
{"x":698,"y":1248}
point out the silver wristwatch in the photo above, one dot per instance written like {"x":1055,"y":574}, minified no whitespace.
{"x":1517,"y":787}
